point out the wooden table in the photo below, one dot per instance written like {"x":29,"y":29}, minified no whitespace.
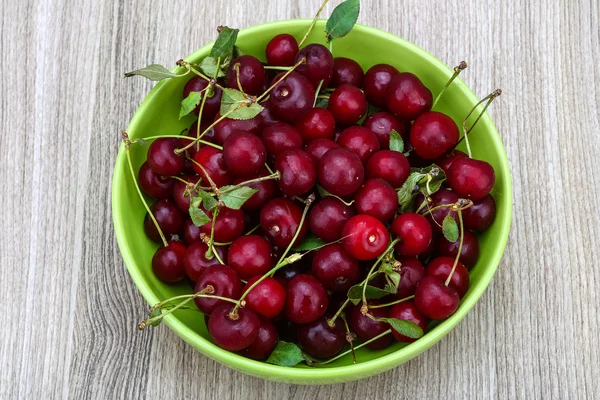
{"x":69,"y":307}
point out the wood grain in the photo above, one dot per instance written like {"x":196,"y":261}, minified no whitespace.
{"x":69,"y":305}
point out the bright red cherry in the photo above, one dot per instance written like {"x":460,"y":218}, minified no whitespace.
{"x":292,"y":98}
{"x":470,"y":249}
{"x":267,"y":298}
{"x":213,"y":163}
{"x":249,"y":256}
{"x":365,"y":237}
{"x":327,"y":218}
{"x":407,"y":97}
{"x":317,"y":148}
{"x":359,"y":140}
{"x":442,"y":266}
{"x":346,"y":71}
{"x":298,"y":174}
{"x":407,"y":311}
{"x":306,"y":299}
{"x":341,"y":172}
{"x":378,"y":199}
{"x":347,"y":104}
{"x":153,"y":184}
{"x":480,"y":215}
{"x":212,"y":103}
{"x":265,"y":341}
{"x":280,"y":219}
{"x":320,"y":340}
{"x":282,"y":50}
{"x":414,"y":233}
{"x":167,"y":262}
{"x":445,"y":161}
{"x":473,"y":179}
{"x":318,"y":65}
{"x":391,"y":166}
{"x":233,"y":334}
{"x":381,"y":124}
{"x":376,"y":82}
{"x":229,"y":224}
{"x":225,"y":283}
{"x":317,"y":123}
{"x":252,"y":75}
{"x":244,"y":153}
{"x":162,"y":157}
{"x":435,"y":300}
{"x":195,"y":261}
{"x":335,"y":268}
{"x":433,"y":134}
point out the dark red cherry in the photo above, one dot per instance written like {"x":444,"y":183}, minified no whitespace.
{"x":414,"y":232}
{"x":244,"y":153}
{"x":365,"y":237}
{"x":436,"y":218}
{"x":407,"y":97}
{"x":153,"y":184}
{"x":359,"y":140}
{"x":378,"y":199}
{"x":250,"y":255}
{"x":470,"y":178}
{"x":208,"y":136}
{"x":280,"y":137}
{"x":289,"y":271}
{"x":407,"y":311}
{"x":431,"y":249}
{"x":391,"y":166}
{"x":252,"y":75}
{"x":227,"y":126}
{"x":318,"y":147}
{"x":480,"y":215}
{"x":434,"y":299}
{"x":211,"y":104}
{"x":228,"y":225}
{"x":191,"y":232}
{"x":317,"y":123}
{"x":266,"y":190}
{"x":320,"y":340}
{"x":162,"y":157}
{"x":341,"y":172}
{"x":292,"y":98}
{"x":225,"y":282}
{"x":267,"y":298}
{"x":327,"y":218}
{"x":282,"y":50}
{"x":213,"y":163}
{"x":233,"y":334}
{"x":433,"y":134}
{"x":470,"y":249}
{"x":167,"y":262}
{"x":318,"y":66}
{"x":181,"y":199}
{"x":169,"y":218}
{"x":445,"y":161}
{"x":347,"y":104}
{"x":335,"y":268}
{"x":376,"y":83}
{"x":411,"y":273}
{"x":381,"y":124}
{"x":365,"y":328}
{"x":298,"y":174}
{"x":306,"y":299}
{"x":265,"y":342}
{"x":442,"y":266}
{"x":266,"y":115}
{"x":279,"y":220}
{"x":346,"y":71}
{"x":195,"y":261}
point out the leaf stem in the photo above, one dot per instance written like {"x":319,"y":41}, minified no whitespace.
{"x":349,"y":351}
{"x":312,"y":24}
{"x":457,"y":70}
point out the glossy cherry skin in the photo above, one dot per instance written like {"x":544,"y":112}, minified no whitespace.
{"x":318,"y":66}
{"x":445,"y":161}
{"x":191,"y":232}
{"x":267,"y":298}
{"x":244,"y":153}
{"x":153,"y":184}
{"x":233,"y":334}
{"x":282,"y":50}
{"x":211,"y":104}
{"x":167,"y":262}
{"x":162,"y":158}
{"x":183,"y":201}
{"x":407,"y":311}
{"x":266,"y":190}
{"x":169,"y":218}
{"x":229,"y":225}
{"x":227,"y":126}
{"x":434,"y":299}
{"x":225,"y":282}
{"x":213,"y":163}
{"x":436,"y":218}
{"x":441,"y":267}
{"x":297,"y":172}
{"x":391,"y":166}
{"x":378,"y":199}
{"x":347,"y":104}
{"x":433,"y":134}
{"x":265,"y":342}
{"x":266,"y":115}
{"x":470,"y":178}
{"x":306,"y":299}
{"x":407,"y":97}
{"x":318,"y":147}
{"x":279,"y":220}
{"x":414,"y":232}
{"x":341,"y":172}
{"x":365,"y":328}
{"x":195,"y":261}
{"x":318,"y":123}
{"x":359,"y":140}
{"x":335,"y":268}
{"x":327,"y":218}
{"x":346,"y":71}
{"x":411,"y":273}
{"x":470,"y":249}
{"x":480,"y":215}
{"x":292,"y":98}
{"x":381,"y":124}
{"x":252,"y":75}
{"x":320,"y":340}
{"x":280,"y":137}
{"x":376,"y":82}
{"x":250,"y":255}
{"x":365,"y":237}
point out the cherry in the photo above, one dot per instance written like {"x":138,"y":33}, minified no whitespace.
{"x":433,"y":134}
{"x":225,"y":283}
{"x":381,"y":124}
{"x":227,"y":126}
{"x":336,"y":301}
{"x":414,"y":233}
{"x":229,"y":224}
{"x":378,"y":199}
{"x":434,"y":299}
{"x":347,"y":104}
{"x":317,"y":123}
{"x":365,"y":237}
{"x":183,"y":201}
{"x":407,"y":311}
{"x":266,"y":115}
{"x":327,"y":217}
{"x":346,"y":71}
{"x":432,"y":248}
{"x":162,"y":157}
{"x":365,"y":328}
{"x":359,"y":140}
{"x":318,"y":66}
{"x":233,"y":334}
{"x":411,"y":273}
{"x":213,"y":163}
{"x":441,"y":197}
{"x":244,"y":153}
{"x":289,"y":271}
{"x":266,"y":190}
{"x":292,"y":98}
{"x":167,"y":262}
{"x":318,"y":147}
{"x":195,"y":261}
{"x":306,"y":299}
{"x":442,"y":266}
{"x":298,"y":174}
{"x":445,"y":161}
{"x":280,"y":137}
{"x":377,"y":80}
{"x":250,"y":255}
{"x":336,"y":270}
{"x":320,"y":340}
{"x":169,"y":218}
{"x":279,"y":220}
{"x":407,"y":97}
{"x":282,"y":50}
{"x":470,"y":249}
{"x":471,"y":178}
{"x":209,"y":136}
{"x":191,"y":232}
{"x":391,"y":166}
{"x":153,"y":184}
{"x":481,"y":214}
{"x":212,"y":103}
{"x":341,"y":172}
{"x":267,"y":298}
{"x":265,"y":342}
{"x":252,"y":75}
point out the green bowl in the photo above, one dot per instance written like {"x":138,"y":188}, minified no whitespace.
{"x":158,"y":115}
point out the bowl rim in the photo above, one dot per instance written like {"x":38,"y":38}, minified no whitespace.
{"x":342,"y":373}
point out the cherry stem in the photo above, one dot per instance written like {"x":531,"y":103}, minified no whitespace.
{"x":251,"y":231}
{"x":210,"y":252}
{"x":489,"y":98}
{"x":262,"y":96}
{"x":309,"y":200}
{"x":381,"y":257}
{"x":236,"y":67}
{"x":317,"y":92}
{"x":393,"y":302}
{"x":209,"y":128}
{"x":457,"y":70}
{"x":274,"y":175}
{"x":210,"y":181}
{"x":216,"y":146}
{"x":349,"y":338}
{"x":277,"y":68}
{"x":349,"y":351}
{"x":268,"y":168}
{"x":312,"y":24}
{"x":460,"y":246}
{"x":201,"y":75}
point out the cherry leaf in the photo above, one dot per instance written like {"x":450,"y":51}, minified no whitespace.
{"x":404,"y":327}
{"x":155,"y":313}
{"x":396,"y":142}
{"x":286,"y":354}
{"x":450,"y":228}
{"x":311,"y":242}
{"x":154,"y":72}
{"x":407,"y":193}
{"x":208,"y":201}
{"x":225,"y":43}
{"x":190,"y":103}
{"x":372,"y":292}
{"x":197,"y":215}
{"x":342,"y":19}
{"x":236,"y":105}
{"x":417,"y":182}
{"x":209,"y":66}
{"x":236,"y":198}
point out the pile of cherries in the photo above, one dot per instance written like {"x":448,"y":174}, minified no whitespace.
{"x":342,"y":147}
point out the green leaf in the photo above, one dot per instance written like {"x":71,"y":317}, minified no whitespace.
{"x":355,"y":293}
{"x":233,"y":99}
{"x":190,"y":103}
{"x":208,"y":201}
{"x":407,"y":193}
{"x":155,"y":313}
{"x":322,"y":103}
{"x":237,"y":52}
{"x":395,"y":278}
{"x":342,"y":19}
{"x":209,"y":66}
{"x":286,"y":354}
{"x":437,"y":179}
{"x":225,"y":43}
{"x":417,"y":182}
{"x":310,"y":242}
{"x":154,"y":72}
{"x":404,"y":327}
{"x":236,"y":198}
{"x":396,"y":142}
{"x":248,"y":112}
{"x":450,"y":228}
